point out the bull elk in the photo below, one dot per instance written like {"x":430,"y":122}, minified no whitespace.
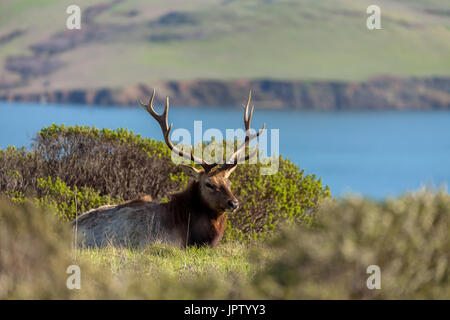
{"x":195,"y":216}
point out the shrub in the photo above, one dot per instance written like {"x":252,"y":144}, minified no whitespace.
{"x":20,"y":170}
{"x":407,"y":238}
{"x":69,"y":202}
{"x":288,"y":196}
{"x":115,"y":163}
{"x":34,"y":252}
{"x":121,"y":165}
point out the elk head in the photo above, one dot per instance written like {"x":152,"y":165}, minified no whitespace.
{"x":213,"y":180}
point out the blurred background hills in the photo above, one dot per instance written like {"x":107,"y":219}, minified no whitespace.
{"x":303,"y":54}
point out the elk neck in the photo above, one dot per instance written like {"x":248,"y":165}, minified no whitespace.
{"x":194,"y":219}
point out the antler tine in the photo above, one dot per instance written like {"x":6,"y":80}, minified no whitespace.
{"x":247,"y":117}
{"x":161,"y":119}
{"x":166,"y":128}
{"x":232,"y":161}
{"x":248,"y":138}
{"x":165,"y":114}
{"x":246,"y":107}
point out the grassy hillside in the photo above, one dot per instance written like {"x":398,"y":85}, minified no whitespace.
{"x":140,"y":41}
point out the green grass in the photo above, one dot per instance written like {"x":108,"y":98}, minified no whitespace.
{"x":228,"y":258}
{"x":407,"y":237}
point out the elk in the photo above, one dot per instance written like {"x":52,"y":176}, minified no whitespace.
{"x":193,"y":217}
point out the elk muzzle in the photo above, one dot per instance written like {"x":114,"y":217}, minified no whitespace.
{"x":233,"y":204}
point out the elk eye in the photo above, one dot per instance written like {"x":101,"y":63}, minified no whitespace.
{"x":209,"y":185}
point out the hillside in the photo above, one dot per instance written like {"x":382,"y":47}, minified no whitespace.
{"x":123,"y":43}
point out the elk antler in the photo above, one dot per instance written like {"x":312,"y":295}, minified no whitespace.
{"x":164,"y":124}
{"x":233,"y":160}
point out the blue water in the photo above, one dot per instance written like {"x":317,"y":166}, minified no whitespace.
{"x":374,"y":154}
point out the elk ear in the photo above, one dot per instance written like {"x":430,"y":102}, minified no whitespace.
{"x":230,"y":171}
{"x":191,"y":171}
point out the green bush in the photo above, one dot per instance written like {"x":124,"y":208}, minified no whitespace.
{"x":117,"y":163}
{"x":288,"y":196}
{"x":102,"y":166}
{"x":408,"y":238}
{"x":20,"y":170}
{"x":69,"y":202}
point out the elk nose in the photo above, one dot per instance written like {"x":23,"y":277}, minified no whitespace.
{"x":233,"y":204}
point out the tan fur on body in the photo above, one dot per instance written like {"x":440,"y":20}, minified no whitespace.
{"x":187,"y":219}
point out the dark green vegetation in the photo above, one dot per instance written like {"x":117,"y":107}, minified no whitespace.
{"x":81,"y":168}
{"x":139,"y":41}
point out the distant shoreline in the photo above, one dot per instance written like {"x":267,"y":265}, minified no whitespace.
{"x":380,"y":93}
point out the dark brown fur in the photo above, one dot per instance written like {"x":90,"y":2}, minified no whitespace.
{"x":195,"y":222}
